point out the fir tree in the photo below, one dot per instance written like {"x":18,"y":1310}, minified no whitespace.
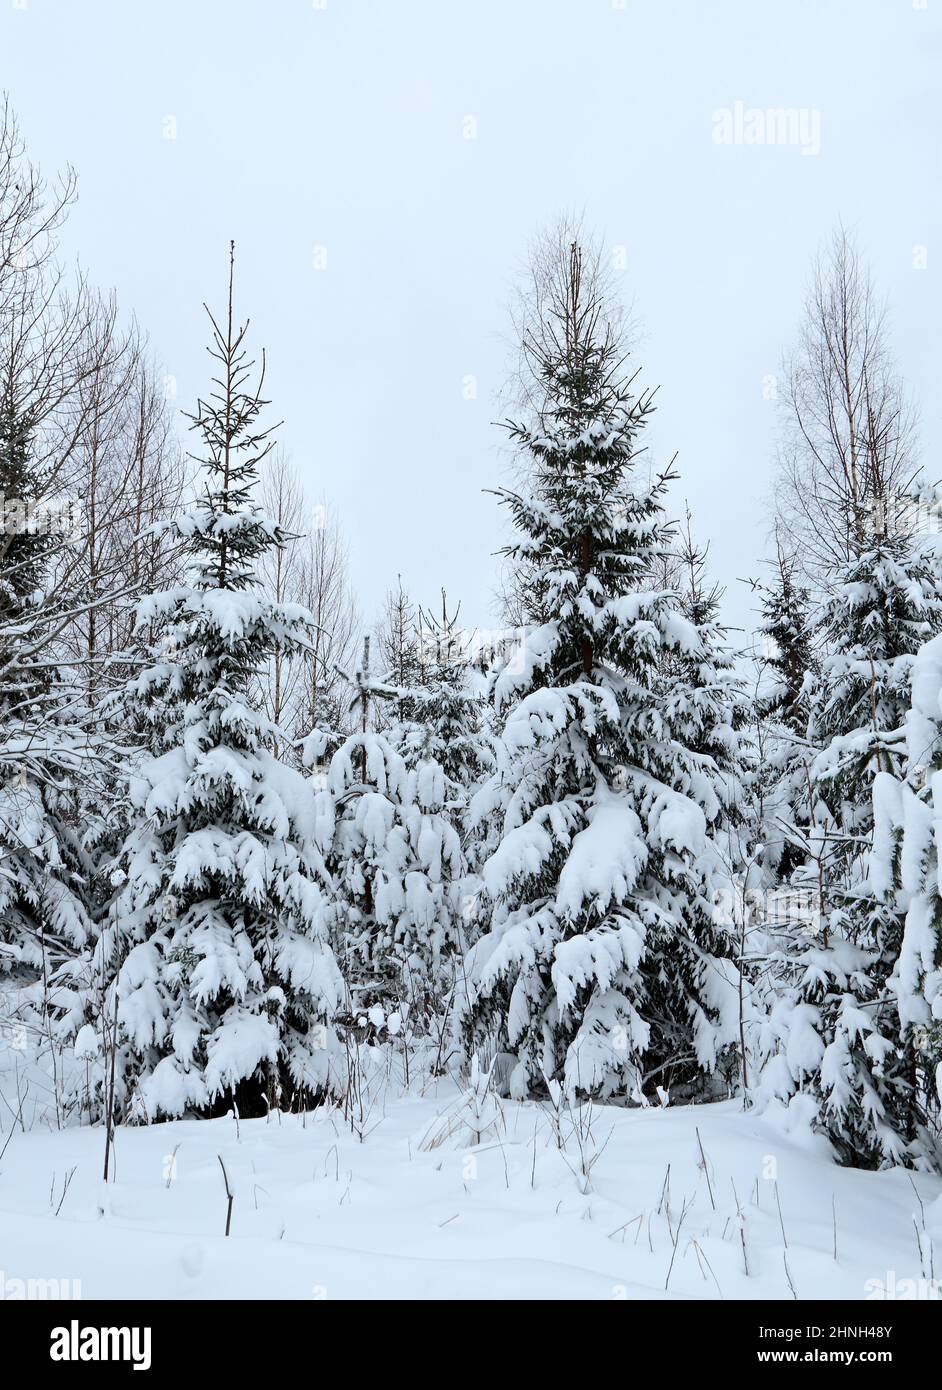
{"x":786,"y":627}
{"x":396,"y":857}
{"x":856,"y":1059}
{"x":781,"y":754}
{"x":25,"y":543}
{"x":44,"y":917}
{"x":905,"y":877}
{"x":447,"y":708}
{"x":705,"y":698}
{"x":448,"y":728}
{"x":603,"y":966}
{"x":883,"y":606}
{"x":400,"y":651}
{"x":229,"y":985}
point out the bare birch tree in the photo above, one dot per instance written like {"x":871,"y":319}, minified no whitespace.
{"x":849,"y":452}
{"x":304,"y":690}
{"x":128,"y":475}
{"x":326,"y":590}
{"x":100,"y":463}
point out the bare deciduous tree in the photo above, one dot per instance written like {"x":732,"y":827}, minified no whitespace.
{"x":283,"y":501}
{"x":326,"y":590}
{"x":128,"y":474}
{"x":45,"y":320}
{"x":304,"y":690}
{"x":849,"y":448}
{"x":94,"y":426}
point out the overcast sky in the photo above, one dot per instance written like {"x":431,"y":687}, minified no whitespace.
{"x":415,"y":146}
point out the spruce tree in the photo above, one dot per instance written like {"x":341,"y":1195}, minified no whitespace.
{"x":399,"y":652}
{"x":856,"y":1058}
{"x":44,"y":916}
{"x":780,"y":749}
{"x":448,"y":729}
{"x":905,"y":877}
{"x":705,"y":696}
{"x":603,"y":967}
{"x":447,"y":712}
{"x":229,"y":984}
{"x":786,"y":626}
{"x":396,"y":857}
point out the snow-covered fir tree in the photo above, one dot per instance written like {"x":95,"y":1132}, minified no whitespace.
{"x":446,"y":713}
{"x":786,"y":627}
{"x":778,"y":777}
{"x":905,"y":877}
{"x":228,"y":985}
{"x":603,"y":966}
{"x":44,"y":917}
{"x":705,"y":697}
{"x":396,"y":856}
{"x":398,"y":653}
{"x":839,"y":1033}
{"x":448,"y":726}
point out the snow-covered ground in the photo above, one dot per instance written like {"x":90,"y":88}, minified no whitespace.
{"x":418,"y":1209}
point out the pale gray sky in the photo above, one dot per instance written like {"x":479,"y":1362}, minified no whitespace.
{"x":345,"y":126}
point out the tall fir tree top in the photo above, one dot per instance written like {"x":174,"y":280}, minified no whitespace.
{"x":229,"y":531}
{"x":219,"y":627}
{"x":588,"y":531}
